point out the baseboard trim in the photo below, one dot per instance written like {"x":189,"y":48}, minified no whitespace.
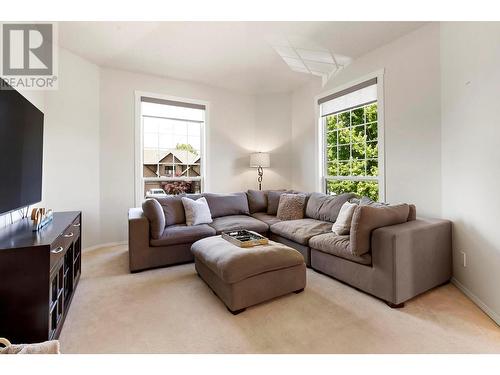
{"x":488,"y":311}
{"x":109,"y":244}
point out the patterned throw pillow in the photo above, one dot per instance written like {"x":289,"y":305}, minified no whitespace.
{"x":291,"y":206}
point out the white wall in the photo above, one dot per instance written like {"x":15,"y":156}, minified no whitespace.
{"x":470,"y":61}
{"x":412,"y":119}
{"x":71,"y":144}
{"x":230,"y":135}
{"x":273,"y":134}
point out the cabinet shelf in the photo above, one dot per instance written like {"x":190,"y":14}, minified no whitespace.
{"x":46,"y":268}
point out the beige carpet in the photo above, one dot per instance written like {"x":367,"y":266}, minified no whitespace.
{"x":170,"y":310}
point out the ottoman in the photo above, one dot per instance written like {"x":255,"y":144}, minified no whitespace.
{"x":242,"y":277}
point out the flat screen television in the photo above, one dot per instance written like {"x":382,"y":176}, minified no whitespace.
{"x":21,"y":151}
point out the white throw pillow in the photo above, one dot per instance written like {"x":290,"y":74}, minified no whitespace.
{"x":197,"y":211}
{"x":343,"y":224}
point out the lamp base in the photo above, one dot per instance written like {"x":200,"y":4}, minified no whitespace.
{"x":260,"y":172}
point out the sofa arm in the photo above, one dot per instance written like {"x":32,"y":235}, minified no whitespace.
{"x":138,"y":238}
{"x":414,"y":256}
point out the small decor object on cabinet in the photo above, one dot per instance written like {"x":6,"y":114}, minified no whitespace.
{"x":245,"y":238}
{"x":41,"y":217}
{"x":260,"y":160}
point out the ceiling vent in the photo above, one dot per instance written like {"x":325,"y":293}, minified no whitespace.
{"x":304,"y":56}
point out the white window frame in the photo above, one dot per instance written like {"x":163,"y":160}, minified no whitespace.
{"x":139,"y":155}
{"x":321,"y":135}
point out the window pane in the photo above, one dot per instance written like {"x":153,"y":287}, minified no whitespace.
{"x":344,"y":119}
{"x":361,"y":188}
{"x":344,"y":136}
{"x":331,"y":138}
{"x":372,"y":167}
{"x":344,"y":152}
{"x":344,"y":168}
{"x":332,"y":169}
{"x":357,"y":116}
{"x":172,"y":187}
{"x":371,"y":112}
{"x":331,"y":122}
{"x":358,"y":134}
{"x":358,"y":167}
{"x":358,"y":150}
{"x":371,"y":150}
{"x":331,"y":154}
{"x":372,"y":131}
{"x":172,"y":147}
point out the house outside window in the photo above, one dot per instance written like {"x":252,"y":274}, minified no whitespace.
{"x":172,"y":146}
{"x":352,"y":140}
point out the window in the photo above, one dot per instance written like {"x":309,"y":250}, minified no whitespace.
{"x":352,"y":149}
{"x":172,"y":146}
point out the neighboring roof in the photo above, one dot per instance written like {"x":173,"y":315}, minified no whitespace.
{"x":153,"y":156}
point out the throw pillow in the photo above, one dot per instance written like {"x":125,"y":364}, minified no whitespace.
{"x":197,"y":211}
{"x":154,"y":212}
{"x":343,"y":224}
{"x":291,"y":206}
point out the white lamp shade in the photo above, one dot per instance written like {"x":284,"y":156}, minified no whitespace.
{"x":260,"y":159}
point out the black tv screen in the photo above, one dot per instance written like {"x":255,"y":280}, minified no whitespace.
{"x":21,"y":151}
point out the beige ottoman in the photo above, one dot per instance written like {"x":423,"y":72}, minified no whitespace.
{"x":242,"y":277}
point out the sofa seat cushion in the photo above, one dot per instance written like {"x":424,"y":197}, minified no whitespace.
{"x":182,"y":234}
{"x":301,"y":230}
{"x":266,"y":218}
{"x":234,"y":222}
{"x":232,"y":264}
{"x":331,"y":243}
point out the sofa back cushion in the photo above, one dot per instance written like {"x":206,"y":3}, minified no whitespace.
{"x":173,"y":208}
{"x":412,"y":215}
{"x":273,"y":200}
{"x":227,"y":204}
{"x":326,"y":207}
{"x":367,"y":218}
{"x":154,"y":212}
{"x":365,"y":201}
{"x":257,"y":201}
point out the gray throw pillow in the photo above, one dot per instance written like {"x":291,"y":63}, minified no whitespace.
{"x":154,"y":212}
{"x":291,"y":206}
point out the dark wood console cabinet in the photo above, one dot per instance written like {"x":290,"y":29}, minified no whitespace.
{"x":39,"y":272}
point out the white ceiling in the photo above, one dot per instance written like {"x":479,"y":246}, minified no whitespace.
{"x":238,"y":56}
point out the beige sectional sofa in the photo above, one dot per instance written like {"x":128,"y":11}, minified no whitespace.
{"x":389,"y":253}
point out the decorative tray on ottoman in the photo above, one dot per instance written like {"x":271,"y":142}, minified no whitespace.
{"x":245,"y":238}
